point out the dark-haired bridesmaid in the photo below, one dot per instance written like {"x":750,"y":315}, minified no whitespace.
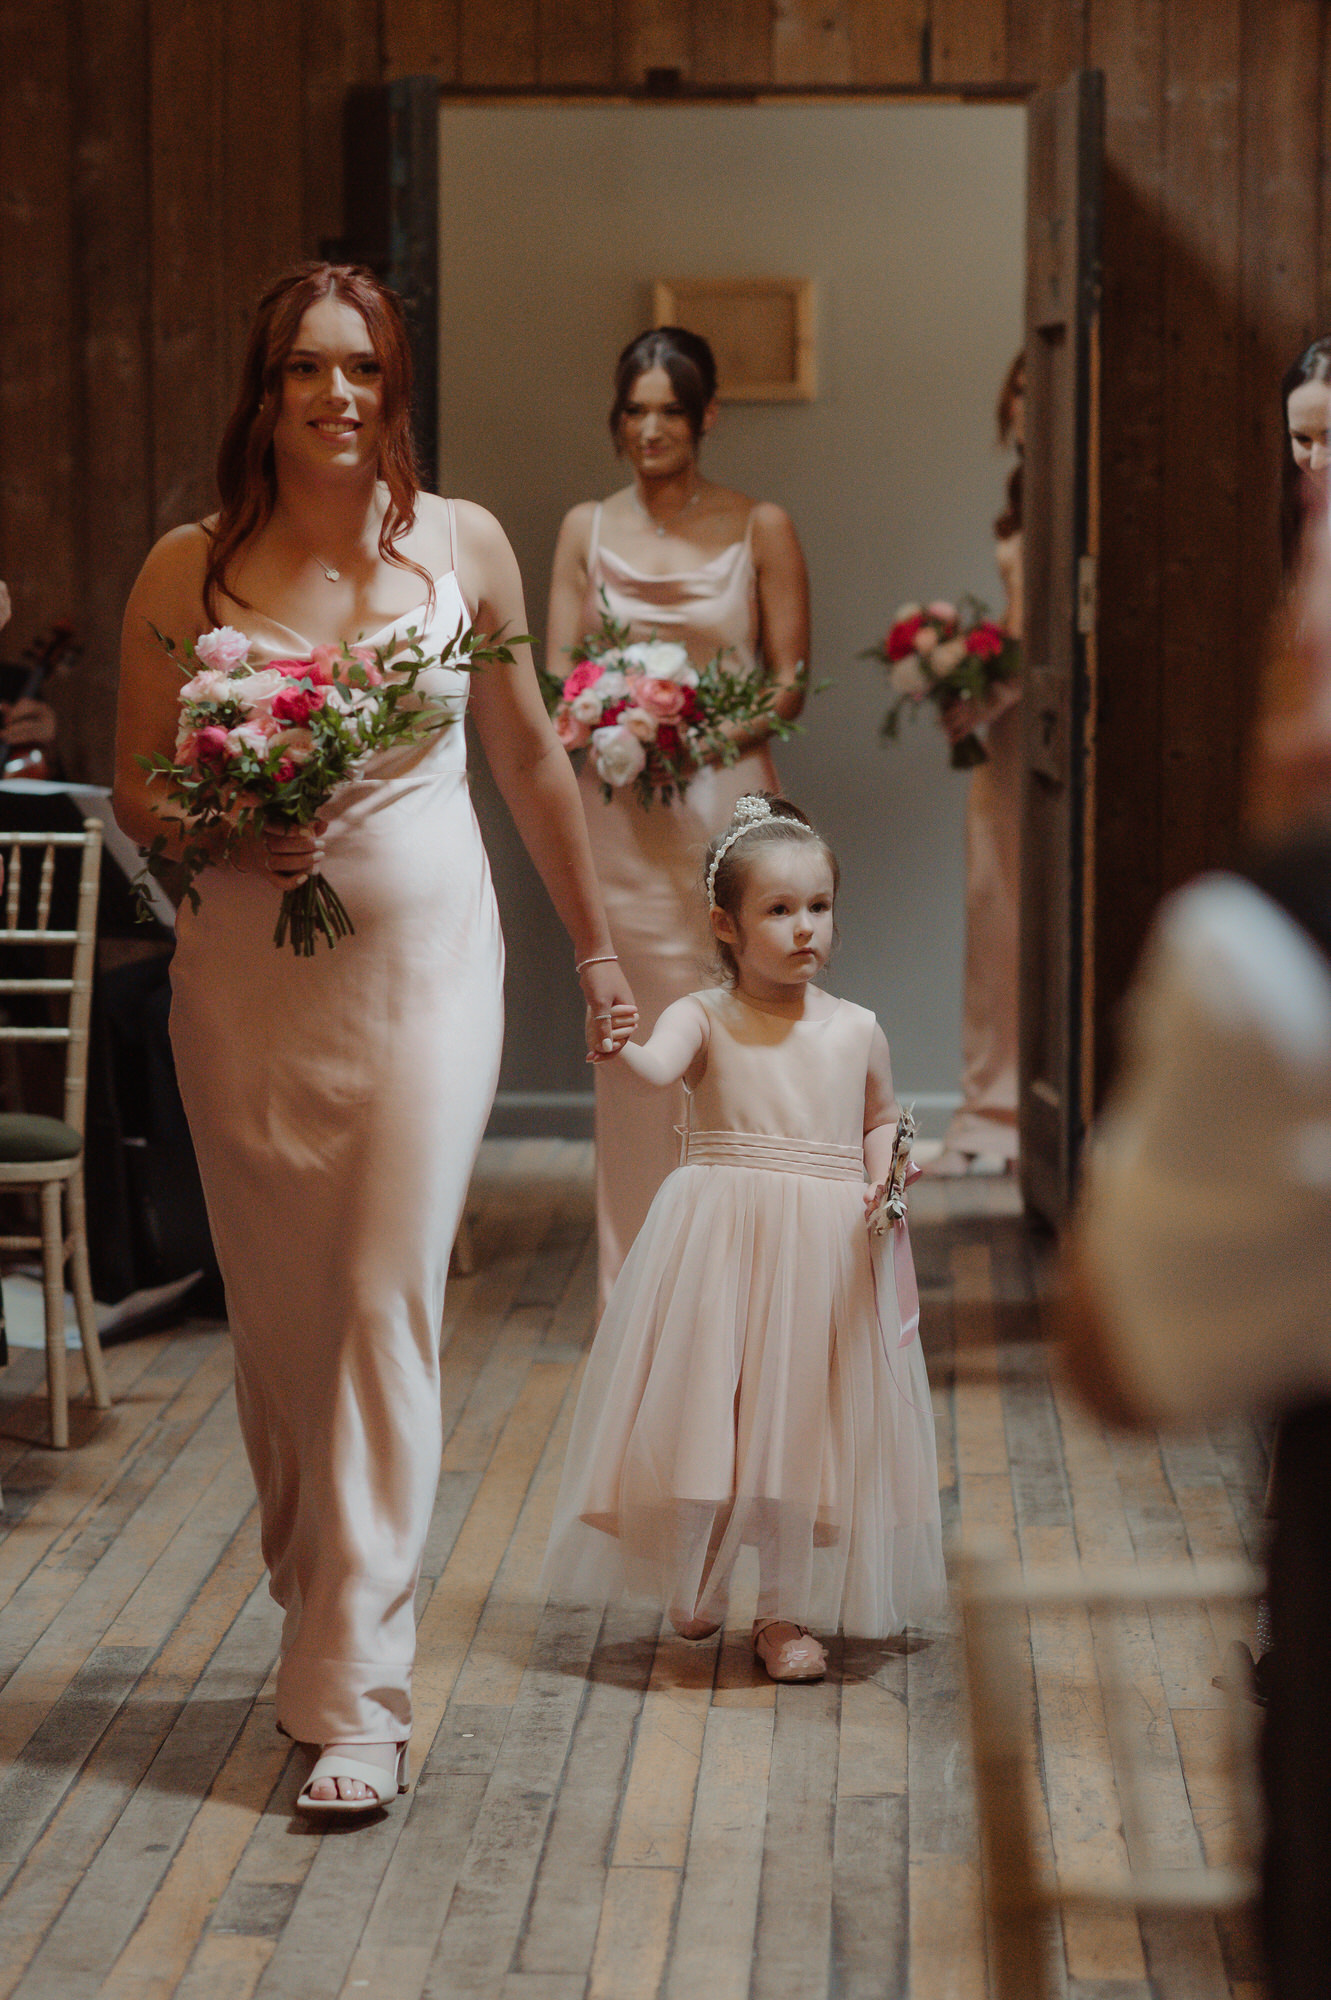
{"x":679,"y":557}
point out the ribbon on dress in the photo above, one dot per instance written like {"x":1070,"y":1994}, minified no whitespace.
{"x":908,"y":1290}
{"x":904,"y":1281}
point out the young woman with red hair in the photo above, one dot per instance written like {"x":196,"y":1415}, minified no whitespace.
{"x":337,"y":1102}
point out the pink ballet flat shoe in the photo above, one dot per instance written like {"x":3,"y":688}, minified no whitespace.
{"x":797,"y":1659}
{"x":384,"y":1784}
{"x":694,"y":1628}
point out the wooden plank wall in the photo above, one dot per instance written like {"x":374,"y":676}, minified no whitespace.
{"x":160,"y":158}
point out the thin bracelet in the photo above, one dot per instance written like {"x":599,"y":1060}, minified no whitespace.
{"x":602,"y":958}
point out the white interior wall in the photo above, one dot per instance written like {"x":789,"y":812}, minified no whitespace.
{"x":555,"y":220}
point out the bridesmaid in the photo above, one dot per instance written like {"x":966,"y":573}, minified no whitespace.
{"x":337,"y":1103}
{"x":691,"y":561}
{"x":982,"y":1136}
{"x":1305,"y":404}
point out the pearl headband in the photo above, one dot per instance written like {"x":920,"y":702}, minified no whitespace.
{"x":750,"y":811}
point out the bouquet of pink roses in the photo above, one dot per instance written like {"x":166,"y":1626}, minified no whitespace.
{"x":943,"y":653}
{"x":648,"y":716}
{"x":267,"y":743}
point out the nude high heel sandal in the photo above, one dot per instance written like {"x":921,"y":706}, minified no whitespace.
{"x":384,"y":1784}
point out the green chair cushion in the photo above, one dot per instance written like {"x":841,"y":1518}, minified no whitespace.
{"x":25,"y":1137}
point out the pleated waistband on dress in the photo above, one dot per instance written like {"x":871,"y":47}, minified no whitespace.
{"x":775,"y":1153}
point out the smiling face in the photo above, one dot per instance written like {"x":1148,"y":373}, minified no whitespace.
{"x":782,"y":933}
{"x":1308,"y":412}
{"x":655,"y":434}
{"x":331,"y":395}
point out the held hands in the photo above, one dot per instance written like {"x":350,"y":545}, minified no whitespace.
{"x":964,"y":717}
{"x":27,"y":724}
{"x":612,"y":1013}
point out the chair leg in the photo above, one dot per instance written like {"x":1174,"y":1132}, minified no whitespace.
{"x":53,"y":1288}
{"x":83,"y":1299}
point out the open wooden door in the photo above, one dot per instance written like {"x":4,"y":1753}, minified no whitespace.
{"x":1065,"y":139}
{"x":390,"y":207}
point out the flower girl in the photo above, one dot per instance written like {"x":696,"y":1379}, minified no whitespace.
{"x":756,"y":1377}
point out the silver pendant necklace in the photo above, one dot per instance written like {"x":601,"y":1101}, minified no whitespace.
{"x":333,"y":575}
{"x":661,"y":527}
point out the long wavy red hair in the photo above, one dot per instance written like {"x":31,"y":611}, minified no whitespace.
{"x":246,"y":472}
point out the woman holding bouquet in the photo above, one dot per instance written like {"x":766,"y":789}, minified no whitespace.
{"x":675,"y":557}
{"x":337,"y":1101}
{"x":982,"y":1135}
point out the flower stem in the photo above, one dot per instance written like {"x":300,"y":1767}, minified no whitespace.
{"x":312,"y":911}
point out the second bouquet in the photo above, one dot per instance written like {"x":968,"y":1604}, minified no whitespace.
{"x":265,"y":744}
{"x":647,"y":716}
{"x":945,"y":653}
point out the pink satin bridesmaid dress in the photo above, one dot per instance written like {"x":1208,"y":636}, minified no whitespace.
{"x":337,"y":1104}
{"x":650,"y":863}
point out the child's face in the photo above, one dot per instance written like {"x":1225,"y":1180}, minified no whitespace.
{"x":784,"y":934}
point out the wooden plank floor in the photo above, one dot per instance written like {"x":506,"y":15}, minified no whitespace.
{"x":601,"y":1809}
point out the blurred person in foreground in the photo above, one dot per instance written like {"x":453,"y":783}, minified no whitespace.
{"x":1200,"y":1265}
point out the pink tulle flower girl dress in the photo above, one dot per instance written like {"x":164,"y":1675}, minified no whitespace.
{"x":754,"y":1379}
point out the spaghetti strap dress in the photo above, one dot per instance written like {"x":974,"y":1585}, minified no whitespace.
{"x":649,"y":863}
{"x":336,"y":1105}
{"x":754,"y":1379}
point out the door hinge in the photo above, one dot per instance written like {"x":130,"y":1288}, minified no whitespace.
{"x":1087,"y":596}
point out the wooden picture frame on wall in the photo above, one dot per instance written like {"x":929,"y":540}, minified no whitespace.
{"x":762,"y":332}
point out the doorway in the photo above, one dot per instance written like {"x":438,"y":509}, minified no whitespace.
{"x":910,"y":218}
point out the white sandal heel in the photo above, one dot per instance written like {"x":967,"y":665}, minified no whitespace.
{"x":384,"y":1784}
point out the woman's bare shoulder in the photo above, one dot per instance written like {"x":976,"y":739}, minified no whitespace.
{"x":771,"y":522}
{"x":180,"y":557}
{"x":168,"y":590}
{"x":477,"y":525}
{"x":575,"y":530}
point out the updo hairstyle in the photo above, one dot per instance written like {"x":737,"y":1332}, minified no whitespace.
{"x":688,"y":361}
{"x":787,"y":823}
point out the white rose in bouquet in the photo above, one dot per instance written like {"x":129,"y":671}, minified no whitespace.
{"x":642,"y":725}
{"x":212,"y":684}
{"x":949,"y":655}
{"x":256,"y":691}
{"x":909,"y":678}
{"x":906,"y":611}
{"x":617,"y":754}
{"x":612,"y":686}
{"x":661,"y":660}
{"x":925,"y":641}
{"x":586,"y":707}
{"x":250,"y":736}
